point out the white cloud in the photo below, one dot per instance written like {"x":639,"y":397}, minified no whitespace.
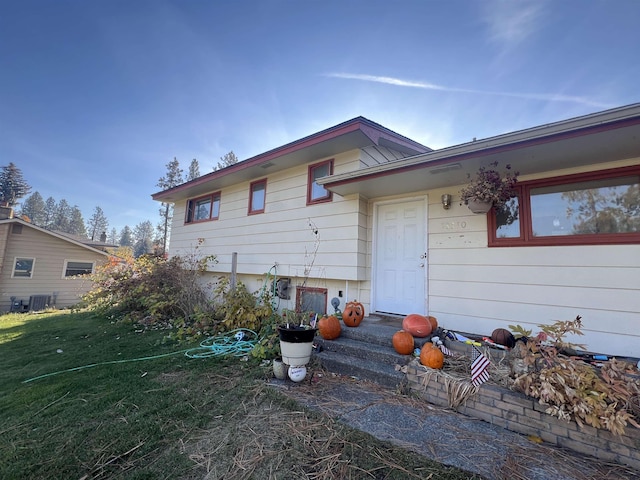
{"x":548,"y":97}
{"x":510,"y":23}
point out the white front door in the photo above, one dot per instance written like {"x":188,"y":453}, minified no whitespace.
{"x":400,"y":258}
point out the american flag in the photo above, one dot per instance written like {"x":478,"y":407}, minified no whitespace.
{"x":479,"y":373}
{"x":445,"y":350}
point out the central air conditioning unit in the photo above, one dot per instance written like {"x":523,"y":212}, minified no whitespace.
{"x":282,"y":288}
{"x":39,"y":302}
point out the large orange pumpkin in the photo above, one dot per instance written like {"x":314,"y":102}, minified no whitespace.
{"x":417,"y":325}
{"x":329,"y":327}
{"x":431,"y":357}
{"x":434,"y":323}
{"x":403,"y":342}
{"x":353,"y":314}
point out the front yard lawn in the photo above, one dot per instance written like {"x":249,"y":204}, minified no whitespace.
{"x":167,"y":417}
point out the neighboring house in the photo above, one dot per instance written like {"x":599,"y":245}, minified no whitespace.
{"x":356,"y":212}
{"x":40,"y":268}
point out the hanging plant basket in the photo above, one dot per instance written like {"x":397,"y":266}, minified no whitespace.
{"x":479,"y":206}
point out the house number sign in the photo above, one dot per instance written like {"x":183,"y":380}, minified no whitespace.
{"x":454,"y":225}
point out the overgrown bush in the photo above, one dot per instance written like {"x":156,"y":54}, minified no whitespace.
{"x":152,"y":290}
{"x":571,"y":387}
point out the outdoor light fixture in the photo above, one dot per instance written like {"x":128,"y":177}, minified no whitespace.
{"x":446,"y":201}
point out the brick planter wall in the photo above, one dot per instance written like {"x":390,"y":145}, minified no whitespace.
{"x":519,"y":413}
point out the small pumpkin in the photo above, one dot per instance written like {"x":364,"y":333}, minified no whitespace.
{"x":502,"y":336}
{"x":329,"y":327}
{"x":353,"y":314}
{"x":403,"y":342}
{"x":434,"y":322}
{"x":431,"y":357}
{"x":417,"y":325}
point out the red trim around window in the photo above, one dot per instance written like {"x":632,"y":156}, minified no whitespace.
{"x":310,"y":182}
{"x":192,"y":201}
{"x":527,"y":238}
{"x":252,"y":187}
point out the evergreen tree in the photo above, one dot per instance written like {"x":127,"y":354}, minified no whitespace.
{"x":12,"y":185}
{"x":76,"y":222}
{"x":112,"y":238}
{"x":226,"y":160}
{"x":34,"y":208}
{"x":50,"y":210}
{"x":194,"y":170}
{"x":62,"y":216}
{"x":98,"y":224}
{"x":172,"y":179}
{"x":126,"y":237}
{"x":143,"y":233}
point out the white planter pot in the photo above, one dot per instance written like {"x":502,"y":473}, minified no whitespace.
{"x":479,"y":206}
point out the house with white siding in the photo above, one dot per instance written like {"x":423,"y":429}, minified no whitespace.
{"x":42,"y":269}
{"x":357,"y":211}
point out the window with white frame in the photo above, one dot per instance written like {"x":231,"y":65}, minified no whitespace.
{"x":23,"y":267}
{"x":74,"y":268}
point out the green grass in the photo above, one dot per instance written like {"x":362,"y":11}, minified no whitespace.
{"x":148,"y":419}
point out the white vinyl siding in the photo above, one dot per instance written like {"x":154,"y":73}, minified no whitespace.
{"x":282,"y":234}
{"x":473,"y":288}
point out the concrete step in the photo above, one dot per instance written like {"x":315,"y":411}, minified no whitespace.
{"x":366,"y":351}
{"x":383,"y":374}
{"x":369,"y":352}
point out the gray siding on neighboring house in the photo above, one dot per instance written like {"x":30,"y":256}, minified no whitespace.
{"x":50,"y":253}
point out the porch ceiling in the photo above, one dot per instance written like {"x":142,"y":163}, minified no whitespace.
{"x":609,"y":136}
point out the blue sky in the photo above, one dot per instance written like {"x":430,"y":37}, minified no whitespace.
{"x":97,"y":96}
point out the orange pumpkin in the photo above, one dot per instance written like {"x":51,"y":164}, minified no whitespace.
{"x":434,"y":323}
{"x":353,"y":314}
{"x":431,"y":357}
{"x":417,"y":325}
{"x":403,"y":342}
{"x":329,"y":327}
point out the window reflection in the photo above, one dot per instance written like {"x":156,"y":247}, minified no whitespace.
{"x":593,"y":207}
{"x":507,"y":219}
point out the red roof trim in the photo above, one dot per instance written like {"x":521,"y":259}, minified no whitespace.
{"x":371,"y":129}
{"x":583,"y":131}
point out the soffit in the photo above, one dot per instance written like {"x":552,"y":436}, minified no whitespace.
{"x":543,"y":149}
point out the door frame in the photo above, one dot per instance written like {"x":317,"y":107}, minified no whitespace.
{"x":374,"y":241}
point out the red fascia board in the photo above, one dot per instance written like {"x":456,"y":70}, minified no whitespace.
{"x":581,"y":132}
{"x":371,"y":129}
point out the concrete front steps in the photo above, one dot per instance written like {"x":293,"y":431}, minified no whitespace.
{"x":366,"y":352}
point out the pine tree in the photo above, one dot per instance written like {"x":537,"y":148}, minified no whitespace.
{"x":98,"y":224}
{"x":34,"y":208}
{"x":113,"y":237}
{"x":76,"y":222}
{"x":226,"y":160}
{"x":172,"y":179}
{"x":12,"y":185}
{"x":50,"y":209}
{"x":126,"y":237}
{"x":62,"y":216}
{"x":143,"y":233}
{"x":194,"y":170}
